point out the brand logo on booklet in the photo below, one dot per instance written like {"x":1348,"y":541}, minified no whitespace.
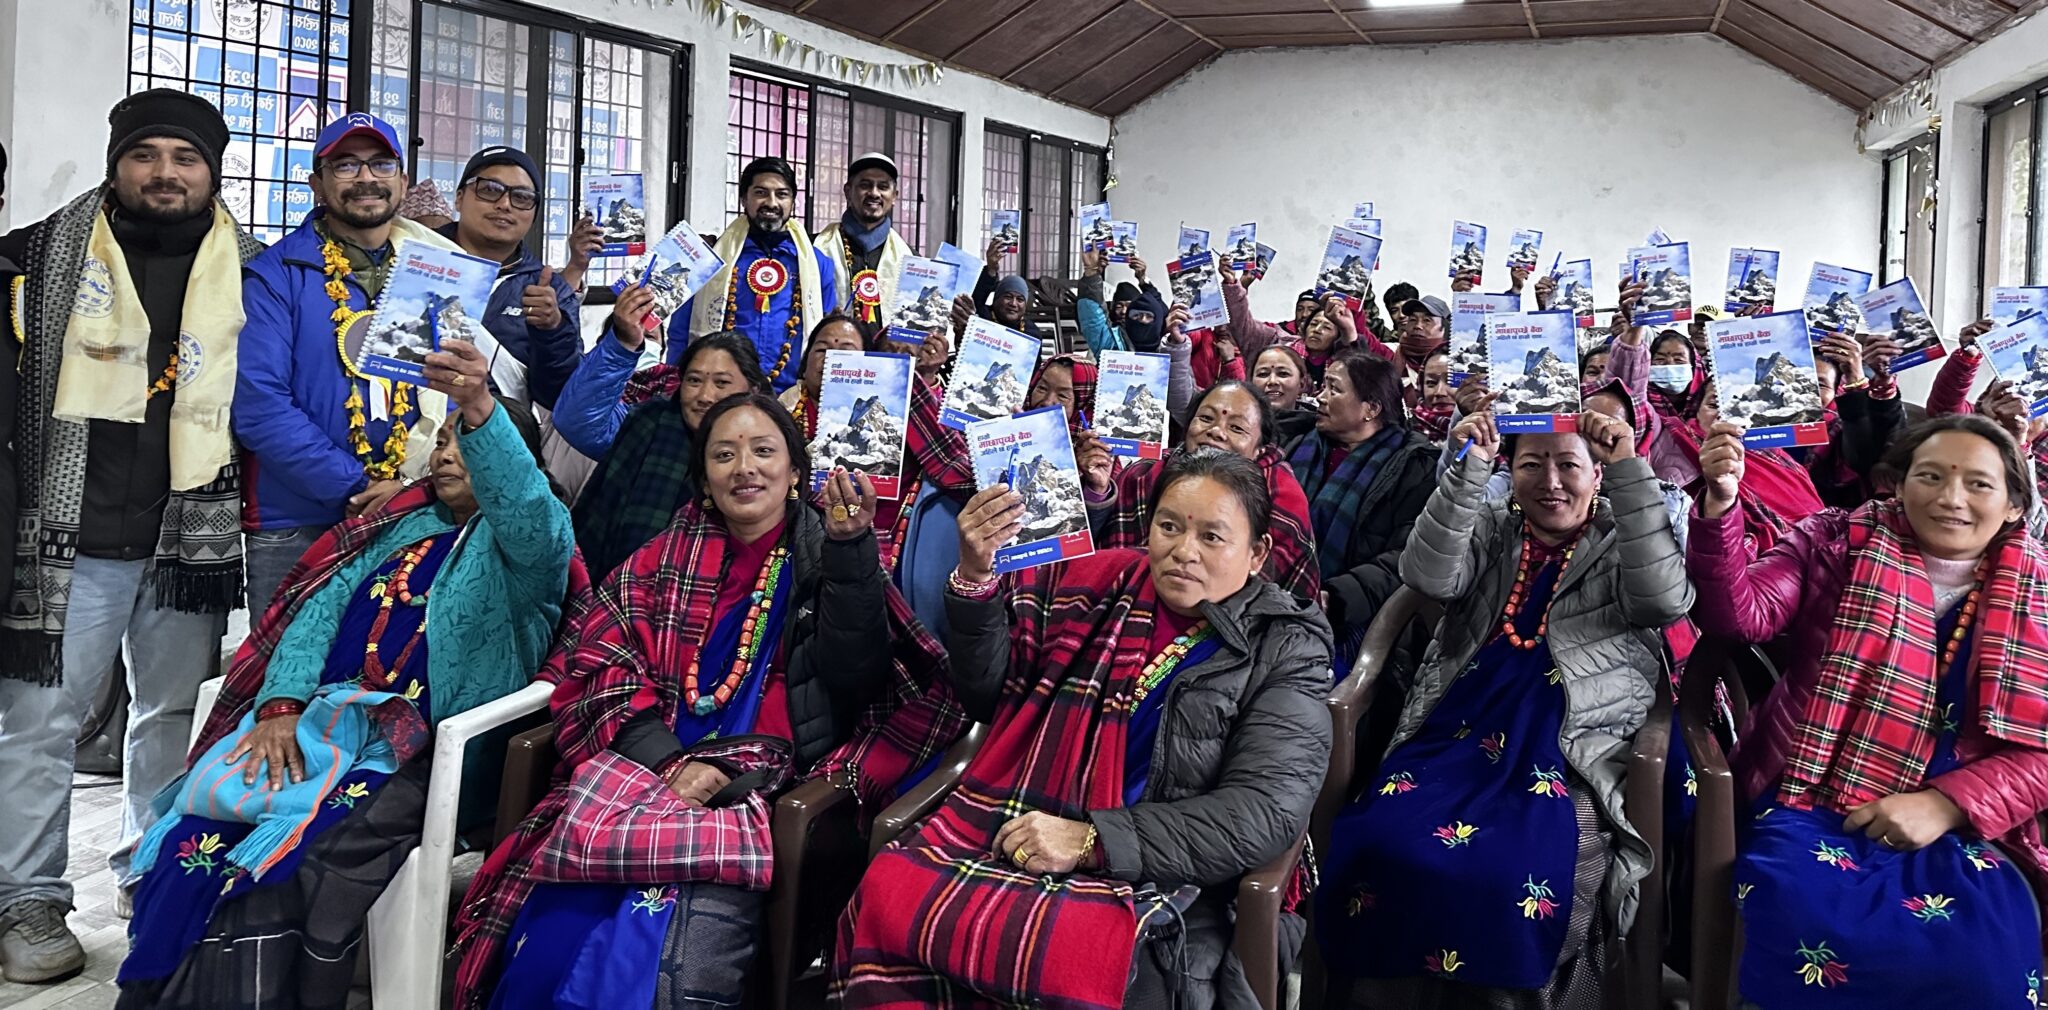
{"x":191,"y":358}
{"x":95,"y":290}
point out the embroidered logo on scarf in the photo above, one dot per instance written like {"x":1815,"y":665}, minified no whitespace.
{"x":95,"y":290}
{"x":191,"y":357}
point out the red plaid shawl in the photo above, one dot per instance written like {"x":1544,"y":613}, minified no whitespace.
{"x":623,"y":651}
{"x":939,"y":920}
{"x":1871,"y":725}
{"x":327,"y":555}
{"x":1292,"y":564}
{"x":1776,"y":491}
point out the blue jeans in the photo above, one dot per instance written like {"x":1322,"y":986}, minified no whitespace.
{"x":168,"y":652}
{"x":269,"y":557}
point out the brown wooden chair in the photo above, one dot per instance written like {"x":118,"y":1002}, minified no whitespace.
{"x":1641,"y":970}
{"x":1351,"y":699}
{"x":1717,"y":929}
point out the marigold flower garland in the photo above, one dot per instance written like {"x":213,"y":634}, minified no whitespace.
{"x":338,"y":273}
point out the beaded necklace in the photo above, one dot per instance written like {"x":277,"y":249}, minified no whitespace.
{"x":1523,"y":573}
{"x":792,"y":328}
{"x":1163,"y":664}
{"x":1957,"y":637}
{"x":750,"y":645}
{"x":391,"y":591}
{"x":166,"y":381}
{"x":338,"y":272}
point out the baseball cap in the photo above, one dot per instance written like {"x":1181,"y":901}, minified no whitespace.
{"x":872,"y":159}
{"x":499,"y":155}
{"x":354,"y":124}
{"x":1427,"y":303}
{"x":1709,"y":312}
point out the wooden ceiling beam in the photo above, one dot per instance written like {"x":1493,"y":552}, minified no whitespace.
{"x":1063,"y":40}
{"x":919,"y":16}
{"x":1822,"y":43}
{"x":1190,"y":29}
{"x":1346,"y":18}
{"x":1111,"y":98}
{"x":1720,"y":12}
{"x":1819,"y":79}
{"x":1530,"y":16}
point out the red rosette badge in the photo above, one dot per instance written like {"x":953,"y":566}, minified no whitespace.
{"x":766,"y":278}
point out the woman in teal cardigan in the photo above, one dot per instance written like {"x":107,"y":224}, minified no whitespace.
{"x":308,"y":786}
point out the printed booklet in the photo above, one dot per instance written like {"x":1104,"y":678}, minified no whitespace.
{"x":1524,"y":249}
{"x":1752,"y":280}
{"x":2008,"y":304}
{"x":1241,"y":248}
{"x":966,"y":268}
{"x":1831,"y":294}
{"x":1895,"y":311}
{"x":1347,"y":265}
{"x":1130,"y":403}
{"x":1763,"y":373}
{"x":2019,"y":352}
{"x":1361,"y":211}
{"x":1666,"y":273}
{"x":991,"y":376}
{"x":863,"y":412}
{"x":432,"y":295}
{"x":1195,"y":284}
{"x":924,"y":299}
{"x":1533,"y":369}
{"x":1094,"y":226}
{"x":617,"y":204}
{"x":1006,"y":229}
{"x":1034,"y":454}
{"x":1192,"y":242}
{"x":1469,"y":313}
{"x":1123,"y":242}
{"x":1468,"y":250}
{"x":1257,"y":270}
{"x":1575,"y":291}
{"x":673,"y":269}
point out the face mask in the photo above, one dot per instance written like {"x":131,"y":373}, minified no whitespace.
{"x":1675,"y":378}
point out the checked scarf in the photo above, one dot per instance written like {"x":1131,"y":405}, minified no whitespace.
{"x":199,"y":550}
{"x":1776,"y":492}
{"x":941,"y":921}
{"x":1292,"y":563}
{"x":1338,"y":496}
{"x":1871,"y":725}
{"x":624,"y":651}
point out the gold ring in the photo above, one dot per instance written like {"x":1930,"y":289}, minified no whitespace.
{"x":1021,"y":856}
{"x":1886,"y":838}
{"x":461,"y":380}
{"x":841,"y":513}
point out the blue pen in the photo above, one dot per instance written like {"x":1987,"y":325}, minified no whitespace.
{"x":648,"y":274}
{"x":1462,"y":450}
{"x":1085,"y":426}
{"x":1554,"y":263}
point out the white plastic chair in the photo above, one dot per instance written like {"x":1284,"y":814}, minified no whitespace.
{"x":408,"y":926}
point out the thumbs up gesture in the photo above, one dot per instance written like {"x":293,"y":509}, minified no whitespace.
{"x":543,"y":311}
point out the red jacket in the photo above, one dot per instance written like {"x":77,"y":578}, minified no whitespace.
{"x":1793,"y":590}
{"x":1207,"y":364}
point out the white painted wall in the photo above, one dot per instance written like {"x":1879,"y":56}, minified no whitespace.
{"x":1595,"y":142}
{"x":63,"y":64}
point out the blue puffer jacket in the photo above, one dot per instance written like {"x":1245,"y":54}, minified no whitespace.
{"x":550,"y":356}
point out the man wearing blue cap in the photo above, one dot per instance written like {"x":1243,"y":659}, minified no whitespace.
{"x":323,"y":441}
{"x":533,"y":315}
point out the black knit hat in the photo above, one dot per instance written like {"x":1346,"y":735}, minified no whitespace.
{"x":167,"y":112}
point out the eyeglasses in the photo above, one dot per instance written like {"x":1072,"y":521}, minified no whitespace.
{"x":349,"y":168}
{"x":492,"y":191}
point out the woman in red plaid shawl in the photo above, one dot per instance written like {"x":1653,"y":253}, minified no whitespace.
{"x":1229,"y":417}
{"x":1156,"y":724}
{"x":737,"y":650}
{"x":1897,"y":770}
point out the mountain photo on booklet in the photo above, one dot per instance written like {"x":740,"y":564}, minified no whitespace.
{"x":990,"y":375}
{"x":1094,"y":222}
{"x":2018,"y":351}
{"x":1666,"y":275}
{"x":1130,"y":403}
{"x":1241,"y":247}
{"x":863,"y":413}
{"x":1896,"y":311}
{"x":617,"y":204}
{"x":1575,"y":291}
{"x":924,"y":299}
{"x":1123,"y":242}
{"x":1197,"y":285}
{"x":1468,"y":250}
{"x":1830,"y":305}
{"x":1752,"y":280}
{"x":2008,"y":304}
{"x":1525,"y":247}
{"x":673,"y":269}
{"x":1347,"y":265}
{"x":1533,"y":370}
{"x":432,"y":295}
{"x":1033,"y":453}
{"x":1765,"y":381}
{"x":1469,"y":312}
{"x":1006,"y":230}
{"x":1192,"y":242}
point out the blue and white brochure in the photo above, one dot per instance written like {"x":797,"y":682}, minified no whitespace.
{"x":618,"y":205}
{"x":1347,"y":265}
{"x":1666,"y":274}
{"x":1896,"y":311}
{"x":1123,"y":242}
{"x":992,"y":375}
{"x":1130,"y":403}
{"x":1469,"y":313}
{"x":673,"y":269}
{"x":1525,"y":247}
{"x":1006,"y":230}
{"x":1752,"y":280}
{"x":1657,"y":238}
{"x":1830,"y":305}
{"x":1192,"y":242}
{"x":1094,"y":219}
{"x":1575,"y":291}
{"x":1264,"y":262}
{"x":1533,"y":371}
{"x":863,"y":413}
{"x":1196,"y":285}
{"x":967,"y":268}
{"x":432,"y":295}
{"x":924,"y":299}
{"x":1468,"y":250}
{"x":2008,"y":304}
{"x":2019,"y":352}
{"x":1241,"y":247}
{"x":1362,"y":210}
{"x":1764,"y":377}
{"x":1033,"y":453}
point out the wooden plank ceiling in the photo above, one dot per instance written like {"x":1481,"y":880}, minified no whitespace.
{"x":1107,"y":55}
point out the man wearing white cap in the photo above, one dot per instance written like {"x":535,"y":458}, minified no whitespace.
{"x":864,"y":244}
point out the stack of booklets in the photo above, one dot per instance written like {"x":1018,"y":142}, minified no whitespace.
{"x":2019,"y":352}
{"x":1666,"y":274}
{"x":863,"y":413}
{"x":1765,"y":381}
{"x":674,"y":269}
{"x":617,"y":204}
{"x":991,"y":375}
{"x":1347,"y":265}
{"x":1752,"y":280}
{"x":1533,"y":371}
{"x":1130,"y":403}
{"x":1006,"y":230}
{"x":432,"y":295}
{"x":1033,"y":453}
{"x":1831,"y":294}
{"x":1895,"y":311}
{"x":1470,"y":311}
{"x":924,"y":299}
{"x":1198,"y":286}
{"x":1468,"y":250}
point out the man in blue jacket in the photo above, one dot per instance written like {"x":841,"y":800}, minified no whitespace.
{"x":533,"y":314}
{"x":324,"y":442}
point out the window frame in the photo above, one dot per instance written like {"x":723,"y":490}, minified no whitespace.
{"x":2036,"y":270}
{"x":1929,"y":145}
{"x":946,"y":221}
{"x":1069,"y":254}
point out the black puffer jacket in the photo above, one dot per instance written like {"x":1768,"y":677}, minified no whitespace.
{"x":1359,"y":583}
{"x":1241,"y":748}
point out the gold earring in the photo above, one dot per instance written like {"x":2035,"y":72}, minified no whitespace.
{"x":792,"y":492}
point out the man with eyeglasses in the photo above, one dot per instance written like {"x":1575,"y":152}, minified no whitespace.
{"x":325,"y":442}
{"x":128,"y":316}
{"x":533,"y":313}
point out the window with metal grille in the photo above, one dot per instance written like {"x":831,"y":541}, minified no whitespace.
{"x":1048,"y":178}
{"x":278,"y":70}
{"x":1908,"y":214}
{"x":821,"y":128}
{"x":2015,"y":249}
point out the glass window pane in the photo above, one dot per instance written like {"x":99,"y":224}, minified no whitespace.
{"x":2039,"y":274}
{"x":1920,"y":213}
{"x":832,"y":149}
{"x":1002,"y":180}
{"x":1895,"y":226}
{"x":615,"y":123}
{"x":2008,"y":189}
{"x":1052,"y":212}
{"x":765,"y":117}
{"x":938,"y":189}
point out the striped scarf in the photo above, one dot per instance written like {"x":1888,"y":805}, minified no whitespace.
{"x":1870,"y":727}
{"x":1337,"y":495}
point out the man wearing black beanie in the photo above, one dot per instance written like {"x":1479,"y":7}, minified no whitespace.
{"x":129,"y":316}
